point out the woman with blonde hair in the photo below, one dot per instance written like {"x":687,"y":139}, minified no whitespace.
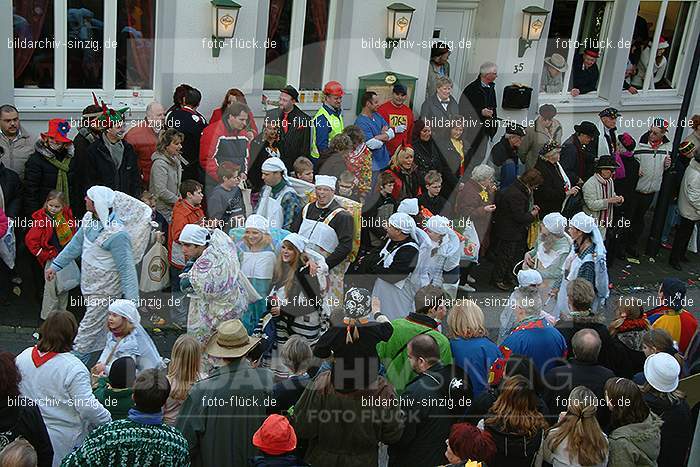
{"x":184,"y":370}
{"x":576,"y":439}
{"x":407,"y":178}
{"x":299,"y":285}
{"x":473,"y":351}
{"x":515,"y":423}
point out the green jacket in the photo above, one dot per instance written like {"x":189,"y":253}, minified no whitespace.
{"x":395,"y":360}
{"x":554,"y":271}
{"x":222,"y":412}
{"x":344,"y":429}
{"x":116,"y":401}
{"x":636,"y":444}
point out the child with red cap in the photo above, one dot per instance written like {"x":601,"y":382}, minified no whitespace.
{"x":277,"y":441}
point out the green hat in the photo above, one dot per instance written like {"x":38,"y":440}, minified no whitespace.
{"x":109,"y":116}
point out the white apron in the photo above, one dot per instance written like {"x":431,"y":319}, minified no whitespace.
{"x":324,"y":240}
{"x":258,"y":264}
{"x":271,"y":208}
{"x":573,"y":262}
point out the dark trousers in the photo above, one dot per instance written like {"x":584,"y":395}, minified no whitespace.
{"x":635,"y":210}
{"x":506,"y":255}
{"x":680,"y":243}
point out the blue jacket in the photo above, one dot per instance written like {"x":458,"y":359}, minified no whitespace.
{"x":118,"y":244}
{"x":475,"y":357}
{"x":371,"y":128}
{"x":539,"y":340}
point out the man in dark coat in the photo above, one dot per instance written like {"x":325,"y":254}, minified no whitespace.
{"x":514,"y":215}
{"x":577,"y":158}
{"x":585,"y":72}
{"x":478,"y":103}
{"x":191,"y":123}
{"x":504,"y":154}
{"x":88,"y":133}
{"x":294,"y":127}
{"x":12,"y":196}
{"x":111,"y":161}
{"x":582,"y":370}
{"x":435,"y":398}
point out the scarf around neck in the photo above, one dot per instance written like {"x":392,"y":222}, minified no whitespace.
{"x":62,"y":175}
{"x":61,"y":227}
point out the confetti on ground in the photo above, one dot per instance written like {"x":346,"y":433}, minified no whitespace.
{"x":156,"y":330}
{"x":633,"y":260}
{"x":652,"y":260}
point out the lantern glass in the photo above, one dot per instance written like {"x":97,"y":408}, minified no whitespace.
{"x":399,"y":21}
{"x":536,"y":27}
{"x":224,"y":21}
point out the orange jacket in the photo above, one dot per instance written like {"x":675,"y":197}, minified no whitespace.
{"x":183,"y":213}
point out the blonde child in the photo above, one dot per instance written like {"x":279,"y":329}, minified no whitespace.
{"x":184,"y":370}
{"x":52,"y":228}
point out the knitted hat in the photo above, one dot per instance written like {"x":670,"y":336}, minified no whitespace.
{"x":674,"y":292}
{"x":548,"y":147}
{"x":627,"y":141}
{"x":661,"y":371}
{"x":122,"y":373}
{"x":276,"y":436}
{"x":609,"y":112}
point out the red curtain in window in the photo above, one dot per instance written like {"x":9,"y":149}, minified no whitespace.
{"x":276,"y":8}
{"x":28,"y":21}
{"x":319,"y":16}
{"x":140,"y":39}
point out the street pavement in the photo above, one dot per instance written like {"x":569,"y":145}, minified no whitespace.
{"x":19,"y":319}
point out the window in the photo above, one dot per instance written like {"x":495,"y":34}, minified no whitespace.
{"x":65,"y":48}
{"x":667,"y":44}
{"x":575,"y":25}
{"x":299,"y":55}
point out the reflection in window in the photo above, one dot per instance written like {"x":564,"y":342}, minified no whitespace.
{"x":278,"y":30}
{"x":591,"y":34}
{"x":669,"y":49}
{"x":135,"y":44}
{"x":32,"y":24}
{"x":315,"y":30}
{"x":85,"y":43}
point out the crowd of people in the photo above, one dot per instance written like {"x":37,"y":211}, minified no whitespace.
{"x":314,"y":270}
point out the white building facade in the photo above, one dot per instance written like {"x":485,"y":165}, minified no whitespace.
{"x":133,"y":51}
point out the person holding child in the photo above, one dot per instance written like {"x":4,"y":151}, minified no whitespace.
{"x":52,"y":229}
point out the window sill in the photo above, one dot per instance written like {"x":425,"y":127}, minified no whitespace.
{"x":661,"y":100}
{"x":570,"y":104}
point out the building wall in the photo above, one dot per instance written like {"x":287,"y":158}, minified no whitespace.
{"x":182,"y":57}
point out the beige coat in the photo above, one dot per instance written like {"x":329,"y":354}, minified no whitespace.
{"x":164,"y":183}
{"x":595,"y":202}
{"x":535,"y":137}
{"x":16,"y":152}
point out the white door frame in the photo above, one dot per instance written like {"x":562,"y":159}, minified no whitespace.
{"x":467,"y":10}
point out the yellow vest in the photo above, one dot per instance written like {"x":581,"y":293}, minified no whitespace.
{"x":336,"y":123}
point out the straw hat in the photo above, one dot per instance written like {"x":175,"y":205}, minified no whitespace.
{"x":231,"y":340}
{"x":557,"y":62}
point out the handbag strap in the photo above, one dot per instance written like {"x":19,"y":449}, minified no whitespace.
{"x":406,"y":345}
{"x":111,"y":354}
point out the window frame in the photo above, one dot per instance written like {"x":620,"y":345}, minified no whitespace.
{"x":565,"y":94}
{"x":296,"y":43}
{"x":64,"y":98}
{"x":682,"y":52}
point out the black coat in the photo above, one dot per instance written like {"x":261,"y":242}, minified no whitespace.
{"x":40,"y":177}
{"x":550,"y":195}
{"x":514,"y":450}
{"x":258,"y":155}
{"x":568,"y":328}
{"x":376,"y":211}
{"x":562,"y":379}
{"x":453,"y":166}
{"x":297,"y":141}
{"x":626,"y":186}
{"x":626,"y":357}
{"x":12,"y":191}
{"x":428,"y":422}
{"x":81,"y":183}
{"x":481,"y":406}
{"x":502,"y":151}
{"x":26,"y":421}
{"x":476,"y":98}
{"x":584,"y":80}
{"x":100,"y":169}
{"x":512,"y":216}
{"x":676,"y":432}
{"x":577,"y":161}
{"x":191,"y":124}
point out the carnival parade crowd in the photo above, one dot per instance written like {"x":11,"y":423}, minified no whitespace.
{"x":320,"y":276}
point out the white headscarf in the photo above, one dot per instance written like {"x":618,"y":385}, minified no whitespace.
{"x":438,"y":224}
{"x":587,"y":224}
{"x":409,"y":206}
{"x":103,"y":199}
{"x":555,"y":223}
{"x":297,"y":240}
{"x":528,"y":277}
{"x":274,"y":164}
{"x":127,"y":309}
{"x":257,"y":222}
{"x":149,"y":356}
{"x":404,"y":223}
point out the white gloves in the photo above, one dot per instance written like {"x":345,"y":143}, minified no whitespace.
{"x":374,"y":144}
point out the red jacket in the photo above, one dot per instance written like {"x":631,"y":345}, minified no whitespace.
{"x":4,"y":223}
{"x":144,"y":141}
{"x":38,"y":238}
{"x":183,"y":213}
{"x":207,"y":146}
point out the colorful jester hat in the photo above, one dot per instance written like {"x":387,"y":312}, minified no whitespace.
{"x":109,"y":117}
